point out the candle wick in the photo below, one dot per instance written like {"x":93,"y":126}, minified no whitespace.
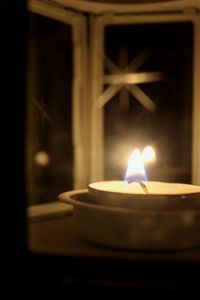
{"x":141,"y":183}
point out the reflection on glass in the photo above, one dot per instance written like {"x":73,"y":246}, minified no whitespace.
{"x":49,"y":137}
{"x":157,"y":109}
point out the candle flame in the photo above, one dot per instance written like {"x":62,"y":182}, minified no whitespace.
{"x":135,"y":169}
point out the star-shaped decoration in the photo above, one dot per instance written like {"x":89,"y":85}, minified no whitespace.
{"x":128,"y":77}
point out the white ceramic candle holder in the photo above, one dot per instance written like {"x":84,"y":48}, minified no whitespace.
{"x":135,"y":222}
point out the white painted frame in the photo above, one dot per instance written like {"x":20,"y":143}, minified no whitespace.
{"x":119,"y":7}
{"x":98,"y":24}
{"x":79,"y":91}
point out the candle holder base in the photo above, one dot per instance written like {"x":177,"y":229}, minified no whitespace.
{"x":135,"y":229}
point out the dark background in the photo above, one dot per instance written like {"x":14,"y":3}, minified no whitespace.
{"x":13,"y":57}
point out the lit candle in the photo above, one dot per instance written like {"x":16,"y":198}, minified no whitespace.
{"x":135,"y":191}
{"x":136,"y":213}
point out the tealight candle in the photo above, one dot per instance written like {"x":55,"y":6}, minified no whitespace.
{"x":135,"y":191}
{"x":136,"y":213}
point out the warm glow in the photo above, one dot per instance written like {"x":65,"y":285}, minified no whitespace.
{"x":42,"y":158}
{"x":149,"y":154}
{"x":135,"y":170}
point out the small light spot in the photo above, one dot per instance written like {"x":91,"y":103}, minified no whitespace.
{"x":42,"y":158}
{"x":149,"y":154}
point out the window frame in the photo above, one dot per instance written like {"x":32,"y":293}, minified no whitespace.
{"x":79,"y":93}
{"x":99,"y":24}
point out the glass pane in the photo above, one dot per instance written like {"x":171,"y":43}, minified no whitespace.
{"x":165,"y":48}
{"x":49,"y":94}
